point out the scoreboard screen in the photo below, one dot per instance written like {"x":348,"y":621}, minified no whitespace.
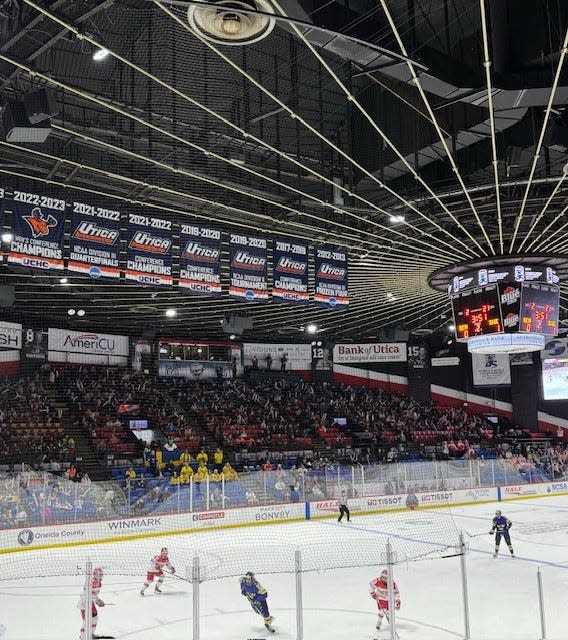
{"x":507,"y":307}
{"x":539,"y":309}
{"x":477,"y":312}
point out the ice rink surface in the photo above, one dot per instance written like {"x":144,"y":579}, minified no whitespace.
{"x":337,"y":606}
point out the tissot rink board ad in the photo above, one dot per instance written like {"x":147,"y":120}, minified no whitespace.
{"x":94,"y":243}
{"x":38,"y":227}
{"x":149,"y":251}
{"x":200,"y":260}
{"x":248,"y":270}
{"x":290,"y":269}
{"x":331,"y":278}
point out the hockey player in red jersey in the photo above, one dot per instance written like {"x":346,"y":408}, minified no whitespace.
{"x":379,"y":592}
{"x":96,"y":584}
{"x":156,"y":570}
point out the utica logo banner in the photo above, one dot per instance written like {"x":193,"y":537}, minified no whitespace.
{"x":248,"y":268}
{"x":94,"y":242}
{"x":200,"y":260}
{"x":290,"y":269}
{"x":149,"y":251}
{"x":331,"y":289}
{"x":38,"y":223}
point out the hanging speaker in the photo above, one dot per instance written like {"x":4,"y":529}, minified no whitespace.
{"x":40,"y":105}
{"x":18,"y":128}
{"x":224,"y":23}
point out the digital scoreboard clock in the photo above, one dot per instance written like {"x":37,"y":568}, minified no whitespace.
{"x":477,"y":312}
{"x":539,"y":309}
{"x":506,"y":308}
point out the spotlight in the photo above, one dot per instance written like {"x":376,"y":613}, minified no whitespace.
{"x":100,"y":54}
{"x":171,"y":313}
{"x":81,"y":312}
{"x":64,"y":280}
{"x":7,"y":237}
{"x":311,"y":328}
{"x":397,"y":218}
{"x":71,"y":312}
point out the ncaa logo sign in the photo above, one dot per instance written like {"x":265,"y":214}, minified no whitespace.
{"x":25,"y":537}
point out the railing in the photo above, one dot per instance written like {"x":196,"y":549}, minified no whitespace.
{"x":33,"y":498}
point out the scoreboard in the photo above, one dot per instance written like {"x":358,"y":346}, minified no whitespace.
{"x":526,"y":307}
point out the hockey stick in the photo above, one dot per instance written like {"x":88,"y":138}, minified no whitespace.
{"x":476,"y":535}
{"x":386,"y":614}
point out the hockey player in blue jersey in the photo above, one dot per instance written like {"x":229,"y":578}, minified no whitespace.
{"x":501,"y":526}
{"x":257,"y":595}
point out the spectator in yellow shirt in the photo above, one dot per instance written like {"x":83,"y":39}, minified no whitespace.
{"x":215,"y":476}
{"x":218,"y":457}
{"x":185,"y":473}
{"x":230,"y":473}
{"x":130,"y":474}
{"x":201,"y":474}
{"x":184,"y":458}
{"x":202,"y":457}
{"x":175,"y":479}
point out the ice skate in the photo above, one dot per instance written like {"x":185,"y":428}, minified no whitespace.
{"x":268,"y":625}
{"x":157,"y":590}
{"x":142,"y":592}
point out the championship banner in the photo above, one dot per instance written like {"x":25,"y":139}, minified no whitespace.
{"x":331,"y":279}
{"x":149,"y":250}
{"x":2,"y":203}
{"x":248,"y":268}
{"x":37,"y":224}
{"x":490,"y":369}
{"x":200,"y":260}
{"x":94,"y":242}
{"x":290,"y":269}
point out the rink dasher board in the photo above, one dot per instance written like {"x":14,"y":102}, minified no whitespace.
{"x":124,"y":529}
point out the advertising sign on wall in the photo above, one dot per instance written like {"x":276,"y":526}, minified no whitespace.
{"x":200,"y":260}
{"x":372,"y":352}
{"x":490,"y":369}
{"x":331,"y":278}
{"x":194,"y":369}
{"x":87,"y":342}
{"x":10,"y":335}
{"x":290,"y":269}
{"x":149,"y":250}
{"x":248,"y":269}
{"x":38,"y":224}
{"x":94,"y":243}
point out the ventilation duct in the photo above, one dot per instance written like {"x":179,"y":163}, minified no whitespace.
{"x":231,"y":22}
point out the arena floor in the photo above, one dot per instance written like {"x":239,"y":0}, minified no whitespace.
{"x":503,"y":591}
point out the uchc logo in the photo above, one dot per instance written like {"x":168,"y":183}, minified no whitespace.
{"x":25,"y":537}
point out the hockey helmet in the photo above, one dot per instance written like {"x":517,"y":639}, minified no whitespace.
{"x":384,"y":575}
{"x":164,"y":551}
{"x":98,"y":572}
{"x":498,"y":513}
{"x":249,"y":575}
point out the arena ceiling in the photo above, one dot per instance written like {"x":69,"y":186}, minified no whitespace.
{"x":414,"y":133}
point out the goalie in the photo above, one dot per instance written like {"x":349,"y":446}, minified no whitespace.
{"x":379,"y":592}
{"x":257,"y":596}
{"x":96,"y":584}
{"x":156,"y":570}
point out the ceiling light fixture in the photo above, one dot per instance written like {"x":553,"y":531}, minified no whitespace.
{"x":398,"y":218}
{"x":101,"y":54}
{"x":7,"y":237}
{"x":81,"y":312}
{"x":171,"y":313}
{"x":71,"y":312}
{"x":312,"y":328}
{"x":64,"y":280}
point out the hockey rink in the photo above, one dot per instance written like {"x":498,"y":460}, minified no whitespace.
{"x":337,"y":606}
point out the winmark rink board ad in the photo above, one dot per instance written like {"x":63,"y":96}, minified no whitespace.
{"x":149,"y":251}
{"x":248,"y":269}
{"x":38,"y":226}
{"x":290,"y":269}
{"x":331,"y":278}
{"x":94,"y":243}
{"x":200,"y":261}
